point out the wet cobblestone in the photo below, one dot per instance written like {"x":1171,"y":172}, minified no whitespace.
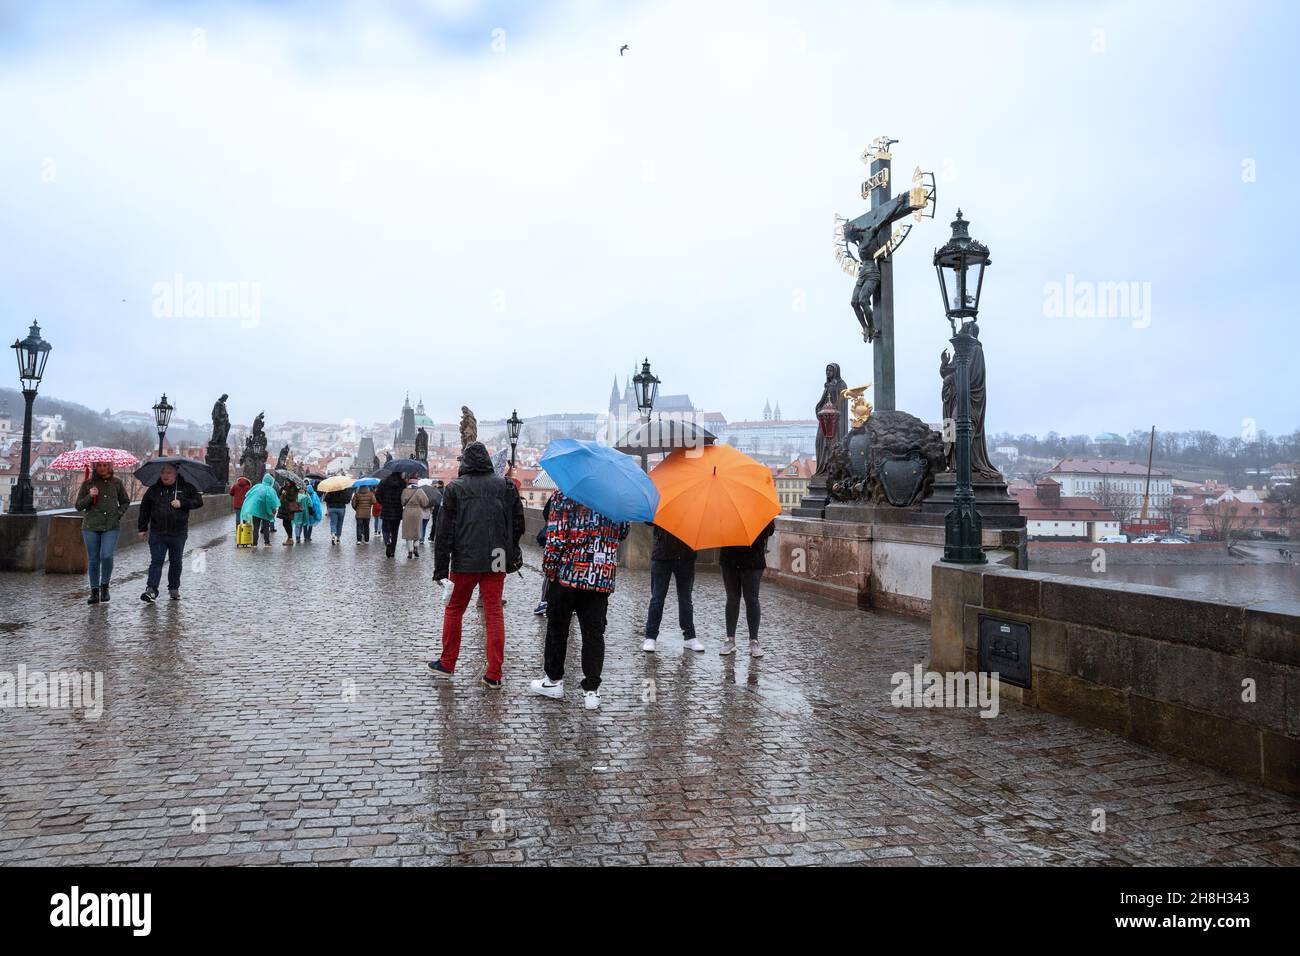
{"x":285,"y":702}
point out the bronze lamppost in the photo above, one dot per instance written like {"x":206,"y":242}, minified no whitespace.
{"x":162,"y":416}
{"x":32,"y":353}
{"x":960,"y":265}
{"x":514,"y":423}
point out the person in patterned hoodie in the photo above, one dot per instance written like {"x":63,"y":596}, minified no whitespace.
{"x":580,"y":561}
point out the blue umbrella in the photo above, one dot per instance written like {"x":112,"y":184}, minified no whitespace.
{"x":365,"y":483}
{"x":601,"y":478}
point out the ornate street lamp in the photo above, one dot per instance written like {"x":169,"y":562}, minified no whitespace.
{"x":647,"y":389}
{"x":960,"y":264}
{"x":162,"y":416}
{"x":32,"y":353}
{"x":514,"y":423}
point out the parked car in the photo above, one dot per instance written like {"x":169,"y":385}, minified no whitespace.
{"x":1174,"y":541}
{"x":1113,"y":539}
{"x":1146,"y":539}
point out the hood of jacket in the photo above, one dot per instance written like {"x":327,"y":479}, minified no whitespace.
{"x":475,"y":460}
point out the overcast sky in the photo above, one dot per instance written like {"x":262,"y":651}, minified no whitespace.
{"x":486,"y":204}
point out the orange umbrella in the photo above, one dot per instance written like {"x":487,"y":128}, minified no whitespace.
{"x":714,"y":497}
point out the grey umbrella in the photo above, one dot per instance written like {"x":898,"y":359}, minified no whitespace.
{"x":659,"y":436}
{"x":290,"y":476}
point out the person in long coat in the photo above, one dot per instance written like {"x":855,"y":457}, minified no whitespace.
{"x":414,"y":504}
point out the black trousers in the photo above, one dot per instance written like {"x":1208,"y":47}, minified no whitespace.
{"x":288,"y":526}
{"x":683,"y":570}
{"x":590,"y":606}
{"x":740,"y":581}
{"x":262,"y":526}
{"x":391,"y":527}
{"x":363,"y":528}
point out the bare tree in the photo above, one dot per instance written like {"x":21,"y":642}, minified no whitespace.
{"x":1228,"y":521}
{"x":1122,"y":504}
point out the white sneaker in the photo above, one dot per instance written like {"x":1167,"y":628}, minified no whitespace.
{"x":694,"y":644}
{"x":548,"y":688}
{"x":755,"y":650}
{"x":648,"y":645}
{"x":728,"y":647}
{"x":590,"y":700}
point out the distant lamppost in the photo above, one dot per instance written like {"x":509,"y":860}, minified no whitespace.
{"x":647,"y":390}
{"x":32,"y":353}
{"x":960,"y":265}
{"x":514,"y":423}
{"x":162,"y":416}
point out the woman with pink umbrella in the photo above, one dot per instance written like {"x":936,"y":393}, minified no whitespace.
{"x":103,"y":498}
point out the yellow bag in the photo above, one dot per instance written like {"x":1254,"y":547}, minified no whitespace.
{"x":244,"y":535}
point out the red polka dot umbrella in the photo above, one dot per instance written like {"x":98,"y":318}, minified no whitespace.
{"x":84,"y":458}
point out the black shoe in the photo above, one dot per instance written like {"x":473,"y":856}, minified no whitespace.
{"x":149,"y":596}
{"x":94,"y":596}
{"x":439,"y":671}
{"x":174,"y":594}
{"x":489,"y":683}
{"x":103,"y":594}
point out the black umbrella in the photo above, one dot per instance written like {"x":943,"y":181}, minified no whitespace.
{"x":195,"y":472}
{"x":315,"y":476}
{"x":405,"y":466}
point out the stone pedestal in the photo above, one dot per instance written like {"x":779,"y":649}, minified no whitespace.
{"x":813,"y":504}
{"x":218,"y":459}
{"x":877,"y":556}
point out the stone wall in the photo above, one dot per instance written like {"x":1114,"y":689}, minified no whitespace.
{"x":1164,"y":667}
{"x":51,"y":541}
{"x":1081,"y":552}
{"x":883,"y":565}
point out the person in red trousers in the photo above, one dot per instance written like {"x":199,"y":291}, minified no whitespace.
{"x":476,"y":544}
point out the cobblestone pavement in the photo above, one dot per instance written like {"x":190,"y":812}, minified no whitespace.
{"x":285,"y":702}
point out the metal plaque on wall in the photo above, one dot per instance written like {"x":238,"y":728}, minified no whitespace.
{"x":1004,"y":648}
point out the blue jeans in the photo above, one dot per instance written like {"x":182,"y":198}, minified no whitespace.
{"x":379,"y":524}
{"x":169,"y":548}
{"x":683,"y":569}
{"x":100,"y":546}
{"x":336,"y":522}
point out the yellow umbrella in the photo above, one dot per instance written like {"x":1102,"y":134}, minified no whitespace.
{"x":714,"y":497}
{"x":335,"y":483}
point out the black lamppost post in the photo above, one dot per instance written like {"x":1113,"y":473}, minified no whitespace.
{"x":514,"y":423}
{"x":162,"y":416}
{"x":32,"y":353}
{"x":960,"y":265}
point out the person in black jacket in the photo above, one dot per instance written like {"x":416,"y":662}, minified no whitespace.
{"x":337,"y":504}
{"x":476,"y":545}
{"x":671,"y":558}
{"x":389,"y":494}
{"x":742,"y":572}
{"x":165,"y":520}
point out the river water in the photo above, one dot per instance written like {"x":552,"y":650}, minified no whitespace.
{"x":1226,"y":582}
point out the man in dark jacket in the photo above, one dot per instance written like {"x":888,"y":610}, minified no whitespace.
{"x":389,"y":495}
{"x":165,"y":521}
{"x":476,"y":544}
{"x":671,"y":558}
